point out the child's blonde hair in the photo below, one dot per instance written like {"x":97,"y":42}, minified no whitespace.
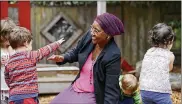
{"x":129,"y":82}
{"x":19,"y":36}
{"x":6,"y":27}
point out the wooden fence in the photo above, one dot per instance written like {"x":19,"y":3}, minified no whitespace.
{"x":137,"y":22}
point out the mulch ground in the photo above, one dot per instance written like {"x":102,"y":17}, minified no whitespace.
{"x":45,"y":99}
{"x":176,"y":95}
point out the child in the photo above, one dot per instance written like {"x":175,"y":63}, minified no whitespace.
{"x":129,"y":93}
{"x":20,"y":70}
{"x":158,"y":61}
{"x":6,"y":27}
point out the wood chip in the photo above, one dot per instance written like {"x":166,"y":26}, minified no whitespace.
{"x":46,"y":99}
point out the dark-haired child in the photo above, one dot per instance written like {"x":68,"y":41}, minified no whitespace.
{"x":154,"y":81}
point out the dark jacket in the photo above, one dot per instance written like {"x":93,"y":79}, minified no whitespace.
{"x":106,"y":69}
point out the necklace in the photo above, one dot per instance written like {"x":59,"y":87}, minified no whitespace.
{"x":91,"y":72}
{"x":95,"y":55}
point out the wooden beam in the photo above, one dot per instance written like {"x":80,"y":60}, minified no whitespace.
{"x":4,"y":9}
{"x":24,"y":13}
{"x":101,"y":7}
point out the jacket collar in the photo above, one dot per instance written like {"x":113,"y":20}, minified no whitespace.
{"x":106,"y":48}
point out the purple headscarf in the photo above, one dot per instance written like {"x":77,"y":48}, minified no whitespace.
{"x":111,"y":24}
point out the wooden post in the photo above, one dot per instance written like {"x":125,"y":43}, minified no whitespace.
{"x":101,"y":7}
{"x":3,"y":9}
{"x":24,"y":13}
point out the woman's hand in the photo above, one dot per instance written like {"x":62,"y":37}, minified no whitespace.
{"x":56,"y":58}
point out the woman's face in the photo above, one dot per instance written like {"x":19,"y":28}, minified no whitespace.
{"x":98,"y":34}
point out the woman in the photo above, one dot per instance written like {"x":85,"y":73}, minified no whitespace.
{"x":99,"y":63}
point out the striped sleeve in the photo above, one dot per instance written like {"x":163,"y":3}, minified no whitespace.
{"x":44,"y":51}
{"x":6,"y":75}
{"x":137,"y":98}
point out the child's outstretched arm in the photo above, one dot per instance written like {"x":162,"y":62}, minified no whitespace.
{"x":45,"y":51}
{"x":72,"y":55}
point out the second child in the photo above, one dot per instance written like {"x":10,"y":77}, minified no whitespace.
{"x":6,"y":27}
{"x":158,"y":61}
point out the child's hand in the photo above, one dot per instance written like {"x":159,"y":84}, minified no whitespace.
{"x":56,"y":58}
{"x":61,"y":40}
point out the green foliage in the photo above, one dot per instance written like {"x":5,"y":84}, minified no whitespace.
{"x":176,"y":25}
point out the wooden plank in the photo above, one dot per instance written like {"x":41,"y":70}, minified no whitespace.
{"x":127,"y":21}
{"x":133,"y":36}
{"x":46,"y":65}
{"x":44,"y":88}
{"x":61,"y":78}
{"x":122,"y":37}
{"x":37,"y":26}
{"x":43,"y":41}
{"x":33,"y":29}
{"x":141,"y":38}
{"x":71,"y":68}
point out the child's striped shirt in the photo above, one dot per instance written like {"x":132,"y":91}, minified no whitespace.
{"x":20,"y":70}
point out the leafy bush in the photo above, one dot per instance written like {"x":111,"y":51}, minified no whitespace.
{"x":176,"y":25}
